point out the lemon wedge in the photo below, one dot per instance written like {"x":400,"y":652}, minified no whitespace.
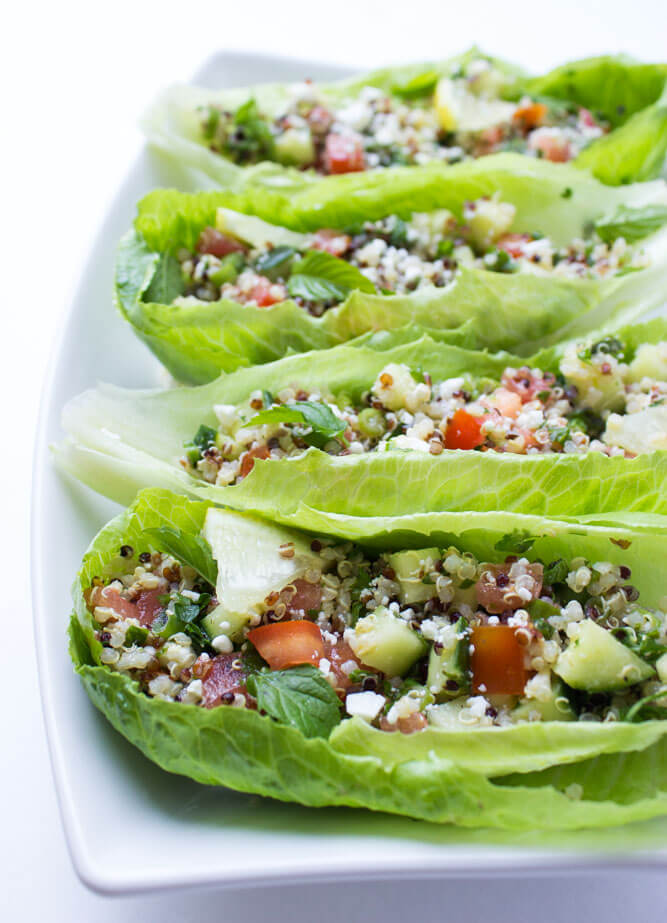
{"x":459,"y":110}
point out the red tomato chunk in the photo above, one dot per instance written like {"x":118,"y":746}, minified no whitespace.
{"x":248,"y":460}
{"x":223,"y":678}
{"x":343,"y":154}
{"x":218,"y":244}
{"x":148,"y":606}
{"x":497,"y":660}
{"x":497,"y":592}
{"x":308,"y":597}
{"x":464,"y":431}
{"x":111,"y":599}
{"x":287,"y":644}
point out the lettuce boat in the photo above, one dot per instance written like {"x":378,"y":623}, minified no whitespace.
{"x":503,"y":252}
{"x":394,"y":426}
{"x":606,"y":114}
{"x":177,"y":606}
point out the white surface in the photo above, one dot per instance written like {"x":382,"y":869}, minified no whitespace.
{"x":85,"y":75}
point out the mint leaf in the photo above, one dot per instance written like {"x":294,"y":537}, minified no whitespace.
{"x":300,"y":697}
{"x":631,"y":223}
{"x":555,"y":572}
{"x":320,"y":276}
{"x":189,"y":549}
{"x":323,"y":422}
{"x":167,"y":281}
{"x":275,"y":263}
{"x":517,"y":541}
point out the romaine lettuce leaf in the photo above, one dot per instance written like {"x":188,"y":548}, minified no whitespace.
{"x":121,"y":440}
{"x":620,"y":769}
{"x":624,"y":92}
{"x":198,"y":340}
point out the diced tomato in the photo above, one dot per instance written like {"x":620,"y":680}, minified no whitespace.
{"x":308,"y":596}
{"x":417,"y":721}
{"x":110,"y":598}
{"x":337,"y":654}
{"x":530,"y":116}
{"x":287,"y":644}
{"x":265,"y":292}
{"x":586,"y":118}
{"x":490,"y":137}
{"x":218,"y":244}
{"x":513,"y":243}
{"x":334,"y":242}
{"x":526,"y":384}
{"x":343,"y":154}
{"x":319,"y":118}
{"x":508,"y":403}
{"x":497,"y":660}
{"x":555,"y":148}
{"x":223,"y":677}
{"x":148,"y":606}
{"x":464,"y":431}
{"x":248,"y":459}
{"x":495,"y":584}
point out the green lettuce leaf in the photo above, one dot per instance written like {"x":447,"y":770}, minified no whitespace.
{"x":198,"y":340}
{"x":121,"y":440}
{"x":461,"y":778}
{"x":624,"y":92}
{"x":633,"y":98}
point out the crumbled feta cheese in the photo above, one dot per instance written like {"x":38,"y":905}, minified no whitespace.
{"x":366,"y":705}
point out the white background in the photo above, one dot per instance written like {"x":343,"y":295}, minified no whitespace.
{"x":75,"y":78}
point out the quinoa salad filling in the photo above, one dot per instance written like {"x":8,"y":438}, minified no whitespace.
{"x":450,"y":119}
{"x":602,"y":400}
{"x":391,"y":256}
{"x":405,"y":639}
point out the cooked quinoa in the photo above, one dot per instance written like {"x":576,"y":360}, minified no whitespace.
{"x":403,"y":638}
{"x":586,"y":407}
{"x":459,"y":117}
{"x":395,"y":256}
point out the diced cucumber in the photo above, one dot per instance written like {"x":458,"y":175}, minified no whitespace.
{"x":597,"y":389}
{"x":250,"y":566}
{"x":597,"y":662}
{"x":385,"y":642}
{"x":295,"y":147}
{"x":410,"y":568}
{"x":447,"y":714}
{"x":451,"y":664}
{"x":230,"y":267}
{"x":645,"y":431}
{"x":490,"y":220}
{"x":650,"y":362}
{"x":661,"y":667}
{"x":554,"y":708}
{"x":256,"y":232}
